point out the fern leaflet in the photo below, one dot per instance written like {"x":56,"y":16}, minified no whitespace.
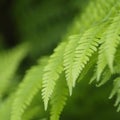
{"x":69,"y":60}
{"x":87,"y":45}
{"x":58,"y":98}
{"x":116,"y":91}
{"x":112,"y":40}
{"x":51,"y":73}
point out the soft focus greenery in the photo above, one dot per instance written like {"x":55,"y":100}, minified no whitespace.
{"x":49,"y":53}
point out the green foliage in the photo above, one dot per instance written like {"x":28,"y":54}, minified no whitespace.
{"x":59,"y":98}
{"x":68,"y":60}
{"x":5,"y":108}
{"x":89,"y":51}
{"x":99,"y":37}
{"x":6,"y":59}
{"x":31,"y":84}
{"x":51,"y":73}
{"x":116,"y":90}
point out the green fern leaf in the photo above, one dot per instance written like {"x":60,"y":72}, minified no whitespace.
{"x":88,"y":67}
{"x":87,"y":46}
{"x":112,"y":40}
{"x":116,"y":91}
{"x":101,"y":63}
{"x":31,"y":84}
{"x":105,"y":77}
{"x":116,"y":62}
{"x":109,"y":42}
{"x":58,"y":98}
{"x":69,"y":60}
{"x":51,"y":73}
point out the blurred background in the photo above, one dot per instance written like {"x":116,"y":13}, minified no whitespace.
{"x":43,"y":24}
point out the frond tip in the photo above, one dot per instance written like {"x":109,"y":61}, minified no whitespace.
{"x":116,"y":91}
{"x":51,"y":73}
{"x":87,"y":46}
{"x":69,"y":60}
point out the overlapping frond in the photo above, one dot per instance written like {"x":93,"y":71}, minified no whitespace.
{"x":69,"y":60}
{"x":52,"y":72}
{"x":87,"y":36}
{"x":109,"y":41}
{"x":101,"y":63}
{"x":105,"y":77}
{"x":59,"y":98}
{"x":89,"y":67}
{"x":87,"y":46}
{"x":112,"y":40}
{"x":109,"y":45}
{"x":116,"y":91}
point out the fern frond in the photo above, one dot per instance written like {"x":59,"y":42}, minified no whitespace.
{"x":51,"y":73}
{"x":116,"y":91}
{"x":59,"y":98}
{"x":116,"y":61}
{"x":109,"y":42}
{"x":112,"y":40}
{"x":9,"y":62}
{"x":101,"y":63}
{"x":89,"y":67}
{"x":82,"y":23}
{"x":31,"y":84}
{"x":105,"y":77}
{"x":87,"y":46}
{"x":69,"y":60}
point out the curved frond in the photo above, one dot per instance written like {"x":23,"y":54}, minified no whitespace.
{"x":105,"y":77}
{"x":88,"y":67}
{"x":112,"y":40}
{"x":116,"y":91}
{"x":51,"y":73}
{"x":59,"y":98}
{"x":101,"y":63}
{"x":31,"y":84}
{"x":109,"y":43}
{"x":87,"y":46}
{"x":69,"y":60}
